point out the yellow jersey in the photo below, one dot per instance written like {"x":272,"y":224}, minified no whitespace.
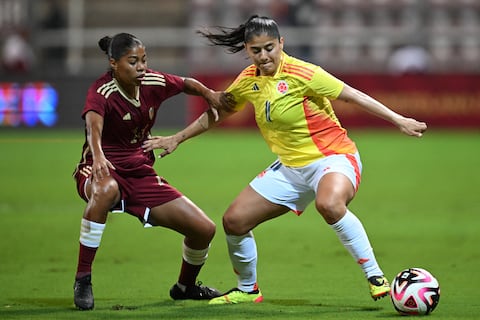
{"x":293,"y":110}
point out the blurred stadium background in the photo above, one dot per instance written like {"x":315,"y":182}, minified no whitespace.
{"x":421,"y":57}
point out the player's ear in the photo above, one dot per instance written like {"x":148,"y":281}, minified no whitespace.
{"x":280,"y":41}
{"x":113,"y":64}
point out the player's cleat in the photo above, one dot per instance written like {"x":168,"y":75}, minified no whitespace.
{"x":237,"y":296}
{"x":83,"y":293}
{"x":195,"y":292}
{"x":379,"y":287}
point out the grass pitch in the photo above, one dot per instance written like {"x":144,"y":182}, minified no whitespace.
{"x":419,"y":201}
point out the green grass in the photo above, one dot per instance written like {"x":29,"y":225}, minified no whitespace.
{"x":419,"y":201}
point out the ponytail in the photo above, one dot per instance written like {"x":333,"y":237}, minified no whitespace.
{"x":235,"y":38}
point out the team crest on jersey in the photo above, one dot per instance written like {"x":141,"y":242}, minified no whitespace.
{"x":282,"y":86}
{"x":151,"y":113}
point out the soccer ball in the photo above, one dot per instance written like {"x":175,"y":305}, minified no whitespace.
{"x":415,"y":292}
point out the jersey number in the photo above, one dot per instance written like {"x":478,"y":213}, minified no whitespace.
{"x":267,"y":111}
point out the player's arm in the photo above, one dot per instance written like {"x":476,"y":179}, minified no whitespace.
{"x":202,"y":124}
{"x":94,"y":128}
{"x":408,"y":126}
{"x":217,"y":100}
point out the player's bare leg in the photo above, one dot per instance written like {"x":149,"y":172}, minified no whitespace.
{"x":103,"y":195}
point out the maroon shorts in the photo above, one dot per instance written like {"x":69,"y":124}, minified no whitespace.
{"x":138,"y":194}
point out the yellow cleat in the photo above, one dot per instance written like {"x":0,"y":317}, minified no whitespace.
{"x":379,"y":287}
{"x":236,"y":296}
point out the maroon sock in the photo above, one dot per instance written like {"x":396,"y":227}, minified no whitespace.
{"x":189,"y":273}
{"x":85,"y":260}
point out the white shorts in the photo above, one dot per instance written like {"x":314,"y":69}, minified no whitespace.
{"x":296,"y":187}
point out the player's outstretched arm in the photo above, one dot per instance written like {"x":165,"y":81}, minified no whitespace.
{"x":199,"y":126}
{"x":406,"y":125}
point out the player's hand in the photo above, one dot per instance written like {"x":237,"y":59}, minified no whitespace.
{"x":101,"y":168}
{"x":412,"y":127}
{"x":220,"y":100}
{"x":168,"y":144}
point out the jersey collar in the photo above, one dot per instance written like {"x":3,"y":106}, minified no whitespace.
{"x":135,"y":101}
{"x":280,"y":65}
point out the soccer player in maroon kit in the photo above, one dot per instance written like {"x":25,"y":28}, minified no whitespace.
{"x":116,"y":175}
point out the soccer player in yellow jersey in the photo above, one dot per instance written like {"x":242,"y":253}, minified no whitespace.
{"x":316,"y":159}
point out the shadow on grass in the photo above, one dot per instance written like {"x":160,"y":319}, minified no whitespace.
{"x":62,"y":308}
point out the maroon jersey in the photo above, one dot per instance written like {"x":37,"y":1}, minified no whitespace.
{"x":127,"y":121}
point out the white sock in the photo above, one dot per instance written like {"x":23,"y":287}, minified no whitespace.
{"x":91,"y":233}
{"x":243,"y":254}
{"x":194,"y":256}
{"x":351,"y":233}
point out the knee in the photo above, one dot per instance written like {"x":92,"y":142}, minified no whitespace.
{"x":201,"y":235}
{"x":203,"y":230}
{"x":107,"y":190}
{"x":233,"y":225}
{"x":209,"y":230}
{"x":331,"y":209}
